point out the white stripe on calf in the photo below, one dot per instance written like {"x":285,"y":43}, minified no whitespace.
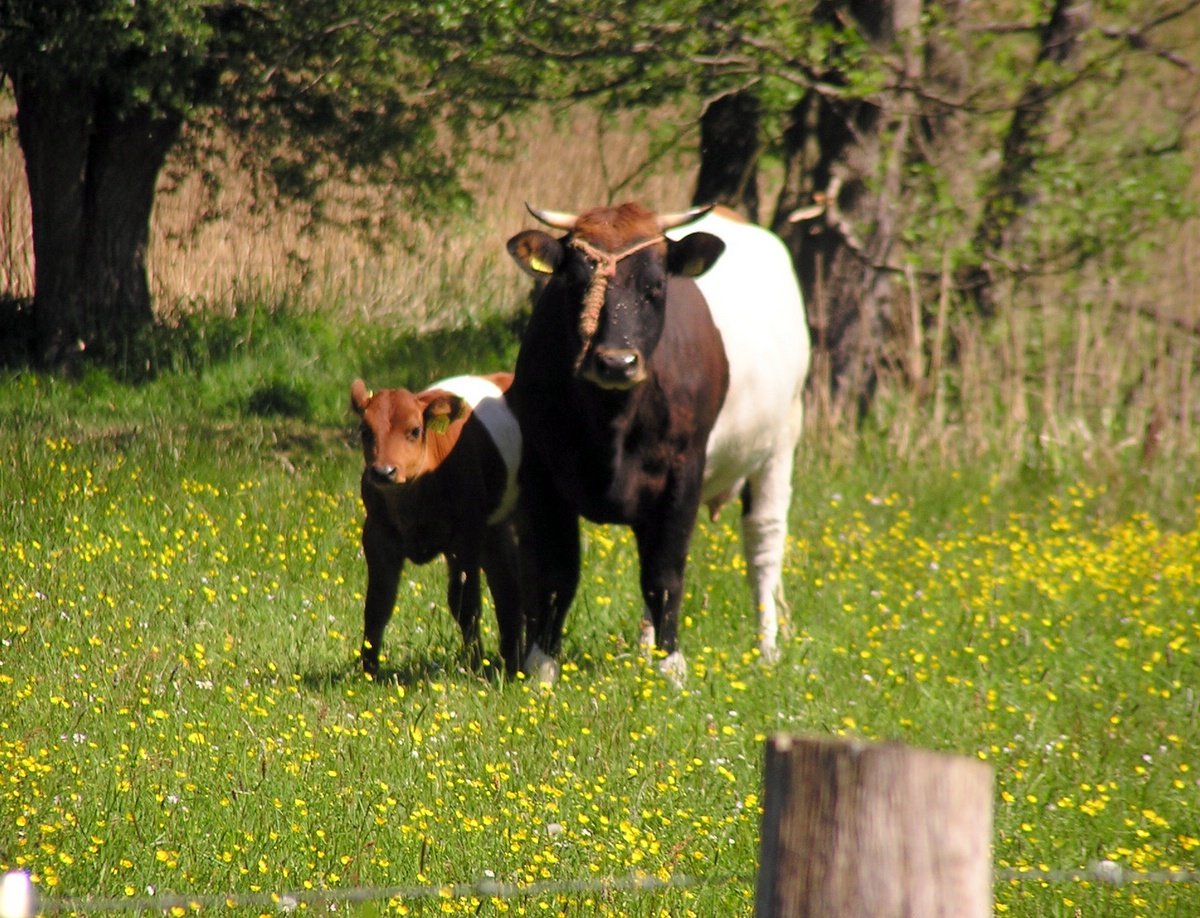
{"x":487,"y":402}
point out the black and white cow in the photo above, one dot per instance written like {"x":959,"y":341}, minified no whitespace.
{"x":663,"y":367}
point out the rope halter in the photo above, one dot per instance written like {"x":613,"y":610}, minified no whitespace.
{"x":593,"y":297}
{"x":606,"y":262}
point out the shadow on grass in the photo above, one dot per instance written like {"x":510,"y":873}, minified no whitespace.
{"x":412,"y":670}
{"x":414,"y":359}
{"x":274,"y":342}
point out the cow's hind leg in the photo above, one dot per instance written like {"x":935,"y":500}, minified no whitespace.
{"x":765,"y":504}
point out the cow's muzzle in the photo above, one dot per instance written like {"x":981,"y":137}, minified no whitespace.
{"x":615,"y":367}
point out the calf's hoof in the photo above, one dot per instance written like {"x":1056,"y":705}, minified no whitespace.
{"x":370,"y":662}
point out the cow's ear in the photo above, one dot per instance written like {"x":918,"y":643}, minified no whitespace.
{"x":694,"y":254}
{"x":538,"y":254}
{"x":441,"y":409}
{"x":360,"y":396}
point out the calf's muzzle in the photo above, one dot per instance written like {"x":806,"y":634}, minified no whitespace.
{"x":383,"y":474}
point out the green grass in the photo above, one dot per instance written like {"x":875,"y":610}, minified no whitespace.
{"x":180,"y":706}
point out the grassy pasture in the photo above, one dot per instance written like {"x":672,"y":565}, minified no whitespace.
{"x":180,"y":710}
{"x":1003,"y":566}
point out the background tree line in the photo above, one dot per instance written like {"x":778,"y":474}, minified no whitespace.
{"x":922,"y":158}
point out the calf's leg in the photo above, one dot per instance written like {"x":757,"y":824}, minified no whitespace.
{"x":463,"y":598}
{"x":385,"y":560}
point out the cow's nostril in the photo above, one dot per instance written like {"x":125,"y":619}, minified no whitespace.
{"x":617,"y":363}
{"x":625,"y":360}
{"x":615,"y":368}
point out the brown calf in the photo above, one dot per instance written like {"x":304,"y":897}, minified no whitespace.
{"x":440,"y":479}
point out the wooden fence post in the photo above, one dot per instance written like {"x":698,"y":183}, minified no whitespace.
{"x":859,"y":830}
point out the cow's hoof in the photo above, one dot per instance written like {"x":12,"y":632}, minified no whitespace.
{"x":647,"y":639}
{"x":540,"y":666}
{"x":674,"y":668}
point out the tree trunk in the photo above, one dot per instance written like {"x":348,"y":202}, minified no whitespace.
{"x":844,"y":159}
{"x":92,"y":170}
{"x":729,"y":154}
{"x":127,"y":153}
{"x":53,"y":125}
{"x":1009,"y":197}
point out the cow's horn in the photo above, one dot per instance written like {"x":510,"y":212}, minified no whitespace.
{"x":670,"y":221}
{"x":559,"y":219}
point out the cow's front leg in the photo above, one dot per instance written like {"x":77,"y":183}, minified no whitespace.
{"x":548,"y":542}
{"x":500,"y":565}
{"x":662,"y":553}
{"x":463,"y":597}
{"x":384,"y":555}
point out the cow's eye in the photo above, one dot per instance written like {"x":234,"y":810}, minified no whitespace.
{"x":414,"y":433}
{"x":654,"y":284}
{"x":365,"y":432}
{"x":581,"y":270}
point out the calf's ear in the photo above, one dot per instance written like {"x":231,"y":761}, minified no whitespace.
{"x":360,"y":396}
{"x":538,"y":254}
{"x":694,"y":254}
{"x":441,"y":409}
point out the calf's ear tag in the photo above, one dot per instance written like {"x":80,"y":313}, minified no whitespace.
{"x":439,"y":423}
{"x":694,"y":268}
{"x":540,"y":265}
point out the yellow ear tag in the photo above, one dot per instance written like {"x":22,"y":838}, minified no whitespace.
{"x":694,"y":268}
{"x":540,"y":265}
{"x":439,"y":423}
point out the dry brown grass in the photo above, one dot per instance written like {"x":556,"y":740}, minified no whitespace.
{"x":433,"y":274}
{"x":568,"y":162}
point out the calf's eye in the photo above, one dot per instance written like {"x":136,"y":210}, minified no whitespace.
{"x":414,"y":433}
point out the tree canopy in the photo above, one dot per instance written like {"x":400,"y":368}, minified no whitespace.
{"x":308,"y":91}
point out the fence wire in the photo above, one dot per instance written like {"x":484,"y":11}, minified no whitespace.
{"x":1110,"y":873}
{"x":19,"y":898}
{"x":26,"y":904}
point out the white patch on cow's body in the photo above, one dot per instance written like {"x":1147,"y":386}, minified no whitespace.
{"x":756,"y":304}
{"x":540,"y":666}
{"x":487,"y":403}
